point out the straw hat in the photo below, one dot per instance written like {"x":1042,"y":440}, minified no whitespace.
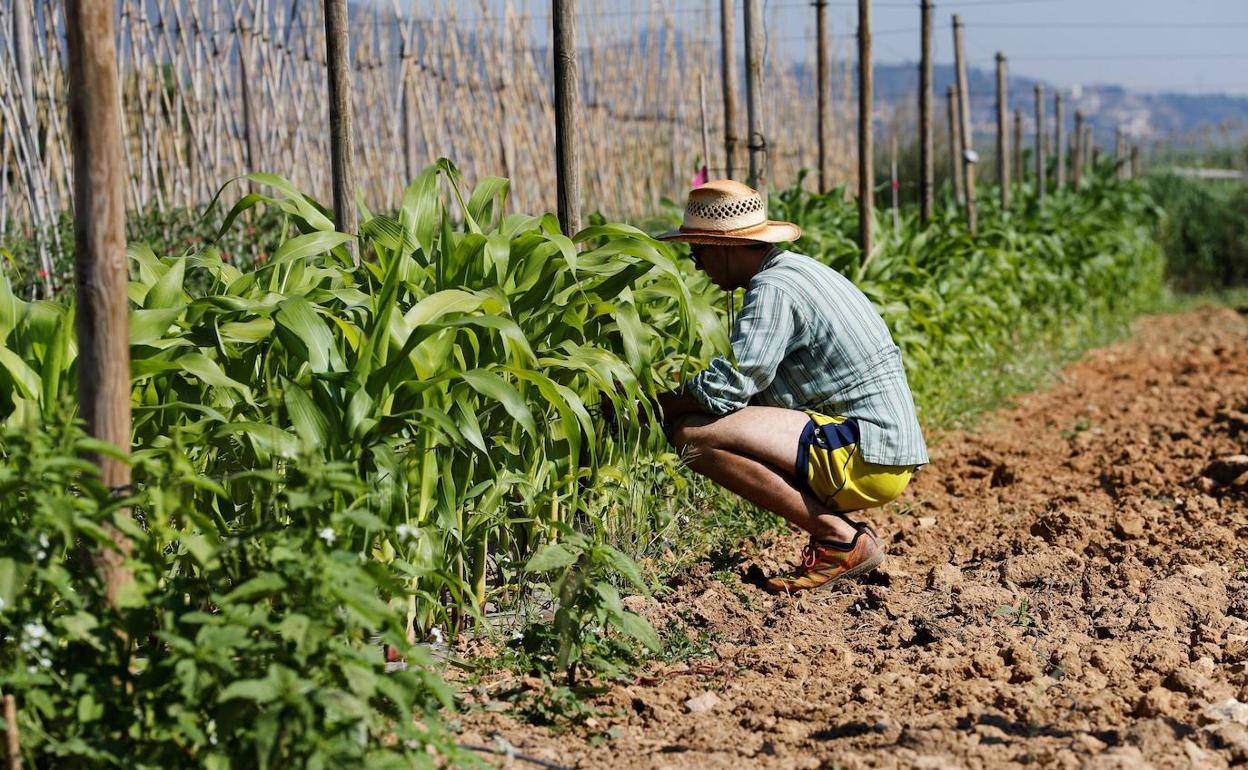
{"x":728,"y":213}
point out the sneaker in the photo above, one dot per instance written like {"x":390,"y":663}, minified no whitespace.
{"x":826,"y":561}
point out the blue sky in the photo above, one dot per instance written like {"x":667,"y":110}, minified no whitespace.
{"x":1196,"y":46}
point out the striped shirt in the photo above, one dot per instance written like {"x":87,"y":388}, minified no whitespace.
{"x":807,"y":338}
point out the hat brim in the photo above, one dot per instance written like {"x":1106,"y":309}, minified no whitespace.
{"x":774,"y":232}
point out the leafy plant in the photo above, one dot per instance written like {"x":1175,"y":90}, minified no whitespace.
{"x":588,"y":606}
{"x":230,"y":649}
{"x":1021,"y":614}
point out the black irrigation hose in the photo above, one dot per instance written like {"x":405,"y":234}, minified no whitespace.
{"x":513,"y":755}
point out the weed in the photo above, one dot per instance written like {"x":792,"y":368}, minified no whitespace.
{"x":1021,"y":615}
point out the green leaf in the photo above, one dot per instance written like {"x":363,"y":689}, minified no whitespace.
{"x":632,"y":624}
{"x":167,"y":292}
{"x":304,"y":333}
{"x":550,"y":557}
{"x":262,"y":585}
{"x":492,"y":386}
{"x":256,"y":690}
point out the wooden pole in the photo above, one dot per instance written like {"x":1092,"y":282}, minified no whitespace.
{"x":728,"y":79}
{"x":244,"y":84}
{"x":563,"y":16}
{"x":1040,"y":159}
{"x":1136,"y":166}
{"x":866,"y":170}
{"x":756,"y":142}
{"x":12,"y":738}
{"x":823,"y":70}
{"x":100,"y":255}
{"x":926,"y":148}
{"x":955,"y":146}
{"x":894,"y":185}
{"x":964,"y":123}
{"x":1076,"y":151}
{"x":1020,"y":169}
{"x":1120,"y":151}
{"x":341,"y":137}
{"x":1003,"y":134}
{"x":1059,"y":140}
{"x":706,"y":133}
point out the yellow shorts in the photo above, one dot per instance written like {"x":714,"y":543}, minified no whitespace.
{"x":835,"y":472}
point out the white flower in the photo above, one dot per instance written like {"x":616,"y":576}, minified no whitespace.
{"x":35,"y":631}
{"x":327,"y":535}
{"x":43,"y":540}
{"x":406,"y":532}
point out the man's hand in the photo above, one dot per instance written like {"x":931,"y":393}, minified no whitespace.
{"x":676,"y":404}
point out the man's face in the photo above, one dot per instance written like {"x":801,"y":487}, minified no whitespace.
{"x":715,"y":261}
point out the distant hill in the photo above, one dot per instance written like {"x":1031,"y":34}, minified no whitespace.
{"x":1179,"y":119}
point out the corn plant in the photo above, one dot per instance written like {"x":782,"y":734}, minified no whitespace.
{"x":458,"y":368}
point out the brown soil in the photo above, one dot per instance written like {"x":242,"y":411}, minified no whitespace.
{"x":1091,"y":502}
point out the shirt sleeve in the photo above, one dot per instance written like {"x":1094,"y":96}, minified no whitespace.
{"x":763,"y":336}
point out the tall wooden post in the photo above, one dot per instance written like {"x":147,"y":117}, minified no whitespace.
{"x":964,"y":124}
{"x":341,"y":136}
{"x":894,"y":185}
{"x":1076,"y":151}
{"x":563,"y":16}
{"x":1120,"y":151}
{"x":1059,"y":141}
{"x":1040,"y":159}
{"x":1003,"y":131}
{"x":728,"y":79}
{"x":1089,"y":146}
{"x":756,"y":141}
{"x":955,"y":145}
{"x":706,"y":131}
{"x":1136,"y":167}
{"x":244,"y":85}
{"x":926,"y":148}
{"x":866,"y":147}
{"x":1020,"y":168}
{"x":823,"y":70}
{"x":100,"y":253}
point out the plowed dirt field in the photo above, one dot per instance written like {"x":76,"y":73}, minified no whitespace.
{"x":1066,"y":586}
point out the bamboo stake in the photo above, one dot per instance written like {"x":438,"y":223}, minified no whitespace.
{"x":100,"y":256}
{"x":894,"y":185}
{"x":1076,"y":151}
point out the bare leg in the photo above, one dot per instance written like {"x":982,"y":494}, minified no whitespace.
{"x":753,"y":452}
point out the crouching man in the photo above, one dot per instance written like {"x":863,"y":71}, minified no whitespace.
{"x":814,"y":419}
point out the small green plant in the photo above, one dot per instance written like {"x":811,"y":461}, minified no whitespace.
{"x":589,"y":609}
{"x":1020,"y":615}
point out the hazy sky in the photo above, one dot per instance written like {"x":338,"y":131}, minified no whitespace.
{"x":1190,"y":46}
